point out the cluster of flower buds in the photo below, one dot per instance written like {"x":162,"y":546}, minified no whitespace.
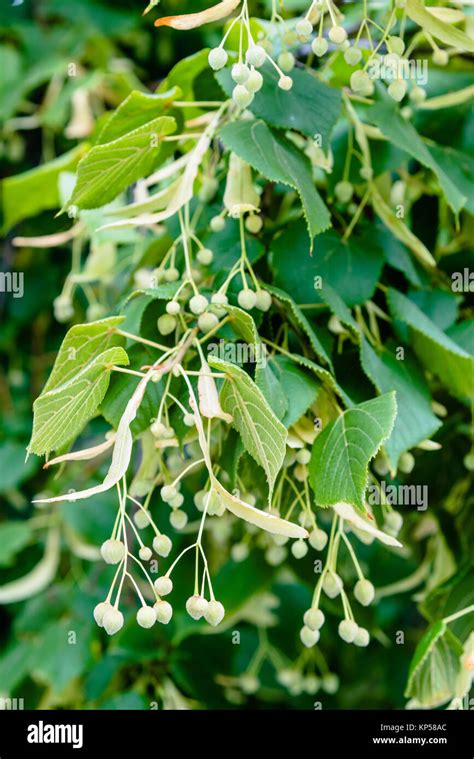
{"x":116,"y":552}
{"x":298,"y":682}
{"x":197,"y":606}
{"x":248,"y":299}
{"x":348,"y":629}
{"x":322,"y":28}
{"x":171,"y":495}
{"x":245,"y":72}
{"x":246,"y":76}
{"x":332,"y":585}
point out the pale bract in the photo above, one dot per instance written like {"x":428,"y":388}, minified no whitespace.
{"x":121,"y":454}
{"x":209,"y":404}
{"x":240,"y":194}
{"x":84,"y":455}
{"x":263,"y":519}
{"x":349,"y":513}
{"x":193,"y":20}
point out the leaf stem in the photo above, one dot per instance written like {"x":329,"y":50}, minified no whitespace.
{"x":458,"y":614}
{"x":143,"y":340}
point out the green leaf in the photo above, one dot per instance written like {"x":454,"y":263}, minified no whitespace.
{"x":447,"y":33}
{"x":326,"y":377}
{"x":439,"y":354}
{"x":299,"y":387}
{"x":82,"y":344}
{"x":342,"y":451}
{"x":127,"y":701}
{"x":295,"y":266}
{"x":34,"y":191}
{"x":434,"y":667}
{"x":403,"y":134}
{"x":262,"y":433}
{"x":15,"y":664}
{"x":302,"y":322}
{"x":278,"y":160}
{"x":109,"y":169}
{"x":184,"y":74}
{"x":267,"y":379}
{"x":77,"y":384}
{"x":14,"y":536}
{"x":11,"y":81}
{"x":462,"y":335}
{"x":441,"y":306}
{"x":451,"y":596}
{"x":415,"y":419}
{"x":137,"y":110}
{"x":62,"y":654}
{"x":458,"y":167}
{"x":244,"y":325}
{"x":13,"y":468}
{"x":310,"y":107}
{"x":61,"y":414}
{"x":396,"y":254}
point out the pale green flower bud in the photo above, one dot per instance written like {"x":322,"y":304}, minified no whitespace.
{"x":146,"y":616}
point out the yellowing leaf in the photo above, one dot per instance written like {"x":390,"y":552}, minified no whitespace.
{"x":192,"y":20}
